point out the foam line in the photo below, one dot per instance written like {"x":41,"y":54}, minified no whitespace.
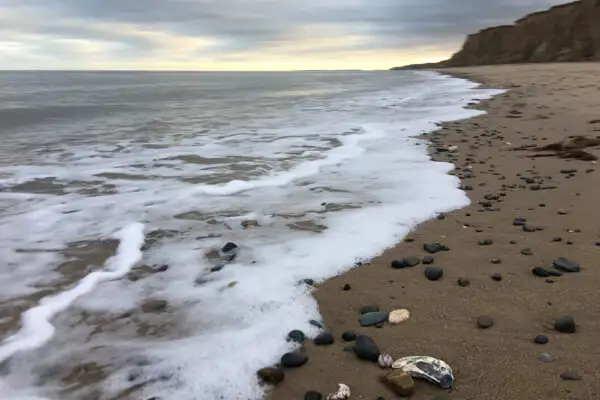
{"x":36,"y":329}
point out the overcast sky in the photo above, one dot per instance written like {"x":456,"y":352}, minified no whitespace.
{"x":242,"y":34}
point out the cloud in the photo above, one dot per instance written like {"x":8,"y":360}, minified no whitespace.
{"x":241,"y":34}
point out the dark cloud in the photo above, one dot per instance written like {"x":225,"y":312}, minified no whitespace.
{"x":247,"y":25}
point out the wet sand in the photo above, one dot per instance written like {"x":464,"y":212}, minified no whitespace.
{"x":559,"y":197}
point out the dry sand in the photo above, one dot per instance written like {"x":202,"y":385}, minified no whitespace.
{"x":544,"y":104}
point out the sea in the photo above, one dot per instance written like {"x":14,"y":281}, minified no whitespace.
{"x":118,"y":190}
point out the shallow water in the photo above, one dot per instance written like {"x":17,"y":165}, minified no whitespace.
{"x":326,"y":164}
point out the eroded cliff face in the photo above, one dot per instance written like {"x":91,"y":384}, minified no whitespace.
{"x":568,"y":32}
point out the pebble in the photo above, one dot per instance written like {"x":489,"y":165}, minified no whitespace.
{"x":485,"y":242}
{"x":366,"y":349}
{"x":433,"y":273}
{"x":323,"y":339}
{"x":527,"y":252}
{"x":497,"y":277}
{"x":529,"y":228}
{"x":372,"y":318}
{"x":315,"y":323}
{"x":566,"y":265}
{"x":407,"y":262}
{"x":346,"y":287}
{"x":463,"y":282}
{"x":427,"y":260}
{"x":369,"y":308}
{"x":385,"y":361}
{"x":545,"y":357}
{"x":349,"y":336}
{"x":496,"y":261}
{"x":398,"y":316}
{"x":565,"y":324}
{"x":435,"y":248}
{"x":557,"y":239}
{"x":293,"y":360}
{"x":296,"y":336}
{"x":570,"y":376}
{"x":271,"y":375}
{"x":485,"y":322}
{"x":400,"y":382}
{"x":313,"y":395}
{"x":541,"y":272}
{"x":541,"y":339}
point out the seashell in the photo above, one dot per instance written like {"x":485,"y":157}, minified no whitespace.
{"x":342,"y":393}
{"x":397,"y":316}
{"x":429,"y":368}
{"x":385,"y":360}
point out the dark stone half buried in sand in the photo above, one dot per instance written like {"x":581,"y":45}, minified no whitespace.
{"x":435,"y":248}
{"x":313,"y":395}
{"x":366,"y":349}
{"x":349,"y":336}
{"x":570,"y":376}
{"x":427,"y":260}
{"x":463,"y":282}
{"x":541,"y":272}
{"x":565,"y":324}
{"x":373,"y":318}
{"x":566,"y":265}
{"x":433,"y":273}
{"x":292,"y":360}
{"x":323,"y":339}
{"x":485,"y":322}
{"x":296,"y":336}
{"x":541,"y":339}
{"x":271,"y":375}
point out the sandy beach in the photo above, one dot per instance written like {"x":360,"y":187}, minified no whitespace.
{"x":525,"y":213}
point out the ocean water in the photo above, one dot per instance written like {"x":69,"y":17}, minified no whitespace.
{"x":105,"y":177}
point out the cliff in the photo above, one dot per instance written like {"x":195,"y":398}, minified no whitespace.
{"x":567,"y":32}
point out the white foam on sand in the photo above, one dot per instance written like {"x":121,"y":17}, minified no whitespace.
{"x":235,"y":321}
{"x":36,"y":328}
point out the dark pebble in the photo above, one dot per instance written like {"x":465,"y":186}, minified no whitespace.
{"x":433,"y":273}
{"x":497,"y":277}
{"x":373,"y":318}
{"x":162,"y":268}
{"x":541,"y":272}
{"x":346,"y":287}
{"x":557,"y":239}
{"x":566,"y":265}
{"x":313,"y":395}
{"x":229,"y":247}
{"x":315,"y":323}
{"x":217,"y":268}
{"x":529,"y":228}
{"x":527,"y":252}
{"x":435,"y":248}
{"x":541,"y":339}
{"x":296,"y":336}
{"x":485,"y":242}
{"x":485,"y":322}
{"x":272,"y":376}
{"x":292,"y":360}
{"x":349,"y":336}
{"x":427,"y":260}
{"x":565,"y":324}
{"x":323,"y":339}
{"x":570,"y":376}
{"x":309,"y":282}
{"x":513,"y":242}
{"x":496,"y":261}
{"x":441,"y":216}
{"x":463,"y":282}
{"x":407,"y":262}
{"x":366,"y":349}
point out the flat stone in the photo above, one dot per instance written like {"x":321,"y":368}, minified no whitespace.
{"x":293,"y":360}
{"x":398,"y":316}
{"x":349,"y":336}
{"x":296,"y":336}
{"x":435,"y":248}
{"x":570,"y":376}
{"x":373,"y":318}
{"x":315,"y":323}
{"x":541,"y":339}
{"x":399,"y":382}
{"x":369,"y":308}
{"x":433,"y":273}
{"x":527,"y":252}
{"x":541,"y":272}
{"x":323,"y":339}
{"x":565,"y":324}
{"x":366,"y":349}
{"x":529,"y":228}
{"x":566,"y":265}
{"x":271,"y":375}
{"x":427,"y":260}
{"x":313,"y":395}
{"x":485,"y":322}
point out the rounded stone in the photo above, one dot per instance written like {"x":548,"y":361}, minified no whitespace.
{"x":398,"y":316}
{"x":296,"y":336}
{"x":427,"y":260}
{"x":570,"y":376}
{"x":497,"y":277}
{"x":541,"y":272}
{"x":349,"y":336}
{"x":271,"y":375}
{"x":433,"y":273}
{"x":565,"y":324}
{"x":463,"y":282}
{"x":541,"y":339}
{"x":485,"y":322}
{"x":323,"y":339}
{"x":313,"y":395}
{"x":292,"y":360}
{"x":346,"y":287}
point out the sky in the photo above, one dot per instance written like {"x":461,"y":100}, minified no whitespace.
{"x":242,"y":34}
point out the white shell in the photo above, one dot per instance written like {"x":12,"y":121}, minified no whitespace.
{"x":428,"y":368}
{"x":385,"y":360}
{"x":342,"y":393}
{"x":397,"y":316}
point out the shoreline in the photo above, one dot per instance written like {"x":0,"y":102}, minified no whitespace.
{"x":543,"y":104}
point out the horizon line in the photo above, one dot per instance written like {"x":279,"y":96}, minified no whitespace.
{"x":188,"y":71}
